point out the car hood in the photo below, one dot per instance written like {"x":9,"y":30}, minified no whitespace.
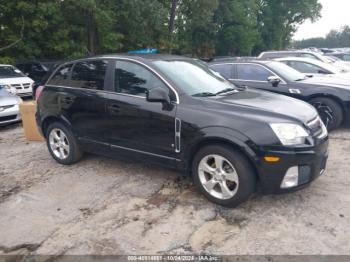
{"x":270,"y":104}
{"x":16,"y":80}
{"x":7,"y":98}
{"x":335,"y":81}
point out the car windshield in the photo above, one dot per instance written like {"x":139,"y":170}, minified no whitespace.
{"x":10,"y":71}
{"x":286,"y":72}
{"x":194,"y":78}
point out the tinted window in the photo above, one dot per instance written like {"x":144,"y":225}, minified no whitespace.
{"x":89,"y":74}
{"x":346,"y":57}
{"x":308,"y":55}
{"x":223,"y":70}
{"x":61,"y":76}
{"x":306,"y":67}
{"x":276,"y":55}
{"x":134,"y":79}
{"x":252,"y":72}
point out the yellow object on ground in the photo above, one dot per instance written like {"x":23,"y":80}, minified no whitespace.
{"x":30,"y":128}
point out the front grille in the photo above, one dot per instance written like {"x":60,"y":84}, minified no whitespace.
{"x":317,"y":128}
{"x":27,"y":85}
{"x":17,"y":86}
{"x":7,"y":118}
{"x":21,"y":86}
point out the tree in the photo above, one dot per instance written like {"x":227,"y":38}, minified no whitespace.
{"x":64,"y":29}
{"x":196,"y":27}
{"x":237,"y":27}
{"x":334,"y":39}
{"x":278,"y":20}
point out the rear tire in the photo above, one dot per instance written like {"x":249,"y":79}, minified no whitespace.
{"x":62,"y":144}
{"x":223,"y":175}
{"x":330,"y":112}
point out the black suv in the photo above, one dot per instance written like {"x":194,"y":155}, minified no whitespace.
{"x":176,"y":112}
{"x":330,"y":96}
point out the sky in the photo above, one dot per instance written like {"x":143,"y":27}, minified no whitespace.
{"x":335,"y":13}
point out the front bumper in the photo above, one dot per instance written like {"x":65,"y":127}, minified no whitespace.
{"x":311,"y":163}
{"x":10,"y":115}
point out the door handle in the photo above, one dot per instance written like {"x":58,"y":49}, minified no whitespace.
{"x":67,"y":99}
{"x":114,"y":108}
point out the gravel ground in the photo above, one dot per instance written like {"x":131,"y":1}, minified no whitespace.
{"x":107,"y":206}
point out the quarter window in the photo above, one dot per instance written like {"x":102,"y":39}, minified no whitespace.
{"x":61,"y":76}
{"x":134,"y":79}
{"x":252,"y":72}
{"x":89,"y":74}
{"x":224,"y":70}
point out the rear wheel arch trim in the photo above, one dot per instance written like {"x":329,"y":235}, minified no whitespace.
{"x":51,"y":119}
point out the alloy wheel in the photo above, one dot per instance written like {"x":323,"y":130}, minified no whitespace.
{"x":218,"y":176}
{"x":59,"y":143}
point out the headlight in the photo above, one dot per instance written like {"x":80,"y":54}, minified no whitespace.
{"x":290,"y":134}
{"x":9,"y":88}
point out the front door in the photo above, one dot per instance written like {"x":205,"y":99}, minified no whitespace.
{"x":138,"y":127}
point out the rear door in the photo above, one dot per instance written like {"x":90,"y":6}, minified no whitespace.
{"x":81,"y":99}
{"x":136,"y":126}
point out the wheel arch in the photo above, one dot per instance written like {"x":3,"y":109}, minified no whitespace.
{"x":51,"y":119}
{"x":237,"y":145}
{"x":329,"y":96}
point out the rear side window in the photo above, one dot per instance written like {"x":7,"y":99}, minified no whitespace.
{"x":89,"y":74}
{"x":61,"y":76}
{"x":224,"y":70}
{"x":134,"y":79}
{"x":252,"y":72}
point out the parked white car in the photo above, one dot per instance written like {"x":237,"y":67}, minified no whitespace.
{"x":314,"y":67}
{"x":9,"y":107}
{"x":15,"y":81}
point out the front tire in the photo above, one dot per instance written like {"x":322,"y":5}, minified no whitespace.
{"x":62,"y":144}
{"x":330,"y":112}
{"x":223,"y":175}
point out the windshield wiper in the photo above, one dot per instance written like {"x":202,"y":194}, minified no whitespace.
{"x":203,"y":94}
{"x":301,"y":79}
{"x":227,"y":90}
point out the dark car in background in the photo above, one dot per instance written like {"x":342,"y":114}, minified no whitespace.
{"x":176,"y":112}
{"x":331,"y":97}
{"x":342,"y":56}
{"x":36,"y":70}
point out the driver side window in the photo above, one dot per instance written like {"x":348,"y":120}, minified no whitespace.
{"x":133,"y":79}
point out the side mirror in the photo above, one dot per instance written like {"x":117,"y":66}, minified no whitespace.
{"x":274,"y":80}
{"x":158,"y":94}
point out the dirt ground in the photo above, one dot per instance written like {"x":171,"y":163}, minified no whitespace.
{"x":107,"y":206}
